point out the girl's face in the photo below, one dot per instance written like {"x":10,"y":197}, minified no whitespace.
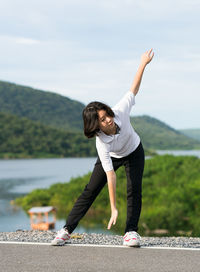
{"x":106,"y":122}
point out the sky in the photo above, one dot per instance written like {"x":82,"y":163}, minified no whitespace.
{"x":90,"y":51}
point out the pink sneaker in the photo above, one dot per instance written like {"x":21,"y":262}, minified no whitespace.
{"x":62,"y":236}
{"x":132,"y":239}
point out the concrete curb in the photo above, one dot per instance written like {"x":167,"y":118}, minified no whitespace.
{"x":95,"y":245}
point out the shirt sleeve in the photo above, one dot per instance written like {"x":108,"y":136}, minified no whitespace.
{"x":103,"y":152}
{"x":126,"y":103}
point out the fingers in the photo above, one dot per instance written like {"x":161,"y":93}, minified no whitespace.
{"x":149,"y":55}
{"x":113,"y":219}
{"x":111,"y":222}
{"x":149,"y":52}
{"x":152,"y":55}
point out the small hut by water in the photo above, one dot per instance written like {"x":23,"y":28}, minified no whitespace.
{"x":39,"y":217}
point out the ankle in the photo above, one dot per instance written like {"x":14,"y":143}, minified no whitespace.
{"x":65,"y":228}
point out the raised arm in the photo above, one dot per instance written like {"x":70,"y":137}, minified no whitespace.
{"x":145,"y":59}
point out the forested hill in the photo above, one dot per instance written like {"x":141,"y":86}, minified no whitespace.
{"x":23,"y":138}
{"x":192,"y":133}
{"x":62,"y":113}
{"x":158,"y":135}
{"x":48,"y":108}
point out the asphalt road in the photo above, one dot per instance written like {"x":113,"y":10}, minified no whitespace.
{"x":32,"y":258}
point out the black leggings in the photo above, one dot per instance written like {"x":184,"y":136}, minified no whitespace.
{"x":134,"y":166}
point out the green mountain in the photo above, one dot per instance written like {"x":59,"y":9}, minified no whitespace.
{"x":61,"y":113}
{"x":157,"y":135}
{"x":192,"y":133}
{"x":22,"y":138}
{"x":48,"y":108}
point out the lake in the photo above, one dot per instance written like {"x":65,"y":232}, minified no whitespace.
{"x":180,"y":152}
{"x":20,"y":176}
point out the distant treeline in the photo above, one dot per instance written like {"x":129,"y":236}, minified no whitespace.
{"x":22,"y":138}
{"x":171,"y":197}
{"x":192,"y":133}
{"x":158,"y":135}
{"x":35,"y":123}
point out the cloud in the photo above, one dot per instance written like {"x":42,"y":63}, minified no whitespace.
{"x":26,"y":41}
{"x":91,"y":49}
{"x":8,"y":39}
{"x":49,"y":14}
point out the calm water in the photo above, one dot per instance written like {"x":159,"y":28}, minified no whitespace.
{"x":19,"y":177}
{"x":180,"y":152}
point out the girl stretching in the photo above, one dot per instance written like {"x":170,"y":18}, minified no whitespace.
{"x":117,"y":144}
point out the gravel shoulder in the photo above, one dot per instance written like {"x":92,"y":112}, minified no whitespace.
{"x":100,"y":239}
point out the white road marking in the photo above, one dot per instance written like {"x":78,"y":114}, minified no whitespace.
{"x":94,"y":245}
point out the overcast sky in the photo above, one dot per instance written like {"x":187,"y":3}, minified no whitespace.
{"x":90,"y":50}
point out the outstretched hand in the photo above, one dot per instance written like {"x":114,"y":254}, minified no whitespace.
{"x":147,"y":57}
{"x":113,"y":218}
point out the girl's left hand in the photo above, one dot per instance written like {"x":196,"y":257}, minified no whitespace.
{"x":113,"y":218}
{"x":147,"y":57}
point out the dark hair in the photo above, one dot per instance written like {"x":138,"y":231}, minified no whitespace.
{"x":91,"y":118}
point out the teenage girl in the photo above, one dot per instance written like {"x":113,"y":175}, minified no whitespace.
{"x":117,"y":144}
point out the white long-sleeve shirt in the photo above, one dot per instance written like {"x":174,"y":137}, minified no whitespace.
{"x":122,"y":144}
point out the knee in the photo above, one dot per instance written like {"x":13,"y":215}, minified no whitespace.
{"x":88,"y":192}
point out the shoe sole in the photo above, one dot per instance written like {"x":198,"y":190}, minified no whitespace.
{"x":57,"y":244}
{"x":131,"y":245}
